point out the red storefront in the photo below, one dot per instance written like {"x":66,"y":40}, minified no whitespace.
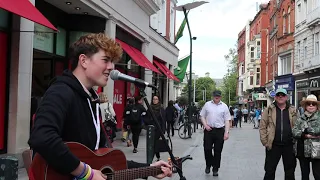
{"x":132,"y":62}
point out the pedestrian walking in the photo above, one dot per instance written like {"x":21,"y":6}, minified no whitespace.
{"x":171,"y":114}
{"x":215,"y":117}
{"x":245,"y":114}
{"x":307,"y":133}
{"x":276,"y":135}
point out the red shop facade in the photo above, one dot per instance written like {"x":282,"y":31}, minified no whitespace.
{"x":5,"y":17}
{"x":132,"y":63}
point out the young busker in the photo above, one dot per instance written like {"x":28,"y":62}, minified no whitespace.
{"x":69,"y":111}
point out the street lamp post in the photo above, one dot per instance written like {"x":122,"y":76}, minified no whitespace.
{"x":184,"y":8}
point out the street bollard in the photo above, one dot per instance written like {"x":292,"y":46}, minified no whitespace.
{"x":150,"y":143}
{"x":8,"y":168}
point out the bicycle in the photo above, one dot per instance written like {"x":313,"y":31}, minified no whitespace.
{"x":184,"y":129}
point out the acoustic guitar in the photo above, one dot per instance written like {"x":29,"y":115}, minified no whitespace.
{"x":111,"y":162}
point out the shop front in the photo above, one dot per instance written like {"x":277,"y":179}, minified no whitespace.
{"x":286,"y":82}
{"x":4,"y":86}
{"x":306,"y":86}
{"x":260,"y":100}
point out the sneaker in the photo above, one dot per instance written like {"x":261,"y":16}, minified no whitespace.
{"x":135,"y":150}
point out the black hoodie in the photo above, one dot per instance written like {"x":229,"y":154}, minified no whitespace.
{"x":283,"y":134}
{"x":64,"y":115}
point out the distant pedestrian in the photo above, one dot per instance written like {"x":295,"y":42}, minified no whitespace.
{"x":215,"y":117}
{"x":245,"y":114}
{"x":276,"y":135}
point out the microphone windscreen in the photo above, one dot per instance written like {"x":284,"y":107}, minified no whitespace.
{"x":114,"y":74}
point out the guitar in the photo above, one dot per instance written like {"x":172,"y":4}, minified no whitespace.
{"x":111,"y":162}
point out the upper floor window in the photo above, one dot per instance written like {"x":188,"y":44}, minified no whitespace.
{"x":299,"y":14}
{"x":252,"y":52}
{"x":299,"y":52}
{"x":305,"y":49}
{"x":284,"y":22}
{"x":285,"y":65}
{"x":316,"y":44}
{"x":258,"y":50}
{"x":289,"y":20}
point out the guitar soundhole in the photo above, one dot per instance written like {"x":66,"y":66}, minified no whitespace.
{"x":108,"y":171}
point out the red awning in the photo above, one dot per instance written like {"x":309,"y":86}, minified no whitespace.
{"x":138,"y":57}
{"x":26,"y":9}
{"x":166,"y":70}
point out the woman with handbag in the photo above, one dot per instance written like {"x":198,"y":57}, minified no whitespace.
{"x":307,"y":134}
{"x":159,"y":112}
{"x":108,"y":116}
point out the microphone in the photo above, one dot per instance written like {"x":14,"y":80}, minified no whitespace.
{"x":116,"y":75}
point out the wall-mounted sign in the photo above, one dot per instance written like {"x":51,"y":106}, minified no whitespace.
{"x":302,"y":84}
{"x":314,"y":83}
{"x":260,"y":96}
{"x":272,"y":94}
{"x":43,"y":38}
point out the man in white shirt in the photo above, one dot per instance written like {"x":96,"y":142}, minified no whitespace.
{"x":215,"y":117}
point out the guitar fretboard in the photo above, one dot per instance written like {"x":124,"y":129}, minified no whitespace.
{"x":135,"y":173}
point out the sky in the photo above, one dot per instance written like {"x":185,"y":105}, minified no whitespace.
{"x":216,"y":26}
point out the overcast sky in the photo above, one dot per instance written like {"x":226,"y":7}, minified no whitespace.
{"x":216,"y":26}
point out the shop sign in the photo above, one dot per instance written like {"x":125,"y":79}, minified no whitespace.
{"x":272,"y":94}
{"x":283,"y":86}
{"x":302,"y":84}
{"x":260,"y":96}
{"x":314,"y":83}
{"x":286,"y":82}
{"x":61,"y":42}
{"x":43,"y":38}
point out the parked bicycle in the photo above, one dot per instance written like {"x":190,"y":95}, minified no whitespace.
{"x":185,"y":128}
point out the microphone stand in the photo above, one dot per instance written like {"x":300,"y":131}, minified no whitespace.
{"x":153,"y":116}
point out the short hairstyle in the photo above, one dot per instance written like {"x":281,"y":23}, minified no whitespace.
{"x":137,"y":98}
{"x":90,"y":44}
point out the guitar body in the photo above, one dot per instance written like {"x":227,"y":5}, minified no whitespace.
{"x":107,"y":160}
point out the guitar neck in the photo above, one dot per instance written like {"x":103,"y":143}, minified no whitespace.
{"x":135,"y":173}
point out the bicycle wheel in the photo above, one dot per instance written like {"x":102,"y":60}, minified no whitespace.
{"x":183,"y":132}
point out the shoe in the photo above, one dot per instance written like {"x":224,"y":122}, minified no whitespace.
{"x":215,"y":172}
{"x":207,"y":170}
{"x":129,"y":143}
{"x":135,"y":150}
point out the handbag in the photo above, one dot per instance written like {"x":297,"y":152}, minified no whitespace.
{"x":315,"y":150}
{"x":108,"y":116}
{"x":161,"y":145}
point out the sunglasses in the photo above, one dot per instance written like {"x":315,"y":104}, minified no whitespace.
{"x":311,"y":103}
{"x":280,"y":94}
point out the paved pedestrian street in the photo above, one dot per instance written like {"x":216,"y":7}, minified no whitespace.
{"x":242,"y":156}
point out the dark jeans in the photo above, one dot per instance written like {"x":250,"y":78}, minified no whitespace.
{"x":236,"y":122}
{"x":273,"y":157}
{"x":170,"y":125}
{"x":136,"y":130}
{"x":305,"y":168}
{"x":245,"y":117}
{"x":210,"y":138}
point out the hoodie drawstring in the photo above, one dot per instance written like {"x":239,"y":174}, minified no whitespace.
{"x":96,"y":122}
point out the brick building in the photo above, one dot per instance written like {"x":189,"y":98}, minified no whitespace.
{"x":285,"y":50}
{"x":241,"y":63}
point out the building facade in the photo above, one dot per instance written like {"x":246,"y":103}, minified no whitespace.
{"x":307,"y":58}
{"x":32,"y":54}
{"x":285,"y":35}
{"x":241,"y":64}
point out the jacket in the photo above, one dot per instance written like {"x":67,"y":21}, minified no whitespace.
{"x":66,"y":114}
{"x":268,"y":124}
{"x":312,"y":124}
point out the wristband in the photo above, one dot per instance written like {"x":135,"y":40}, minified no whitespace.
{"x":91,"y":176}
{"x":83,"y":172}
{"x":89,"y":172}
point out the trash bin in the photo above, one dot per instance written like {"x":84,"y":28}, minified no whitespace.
{"x":9,"y":168}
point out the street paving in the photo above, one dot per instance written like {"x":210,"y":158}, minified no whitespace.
{"x":242,"y":156}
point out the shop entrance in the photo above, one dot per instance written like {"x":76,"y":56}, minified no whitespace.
{"x":316,"y":93}
{"x":45,"y":67}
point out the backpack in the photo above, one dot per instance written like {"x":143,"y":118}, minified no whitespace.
{"x":134,"y":115}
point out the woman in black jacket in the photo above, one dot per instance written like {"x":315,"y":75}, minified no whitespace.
{"x":171,"y":112}
{"x":159,"y":112}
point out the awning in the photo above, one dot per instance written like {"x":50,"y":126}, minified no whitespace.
{"x":26,"y":9}
{"x":138,"y":57}
{"x":166,"y":70}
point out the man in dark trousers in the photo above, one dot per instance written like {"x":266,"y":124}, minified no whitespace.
{"x":215,"y":117}
{"x":276,"y":135}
